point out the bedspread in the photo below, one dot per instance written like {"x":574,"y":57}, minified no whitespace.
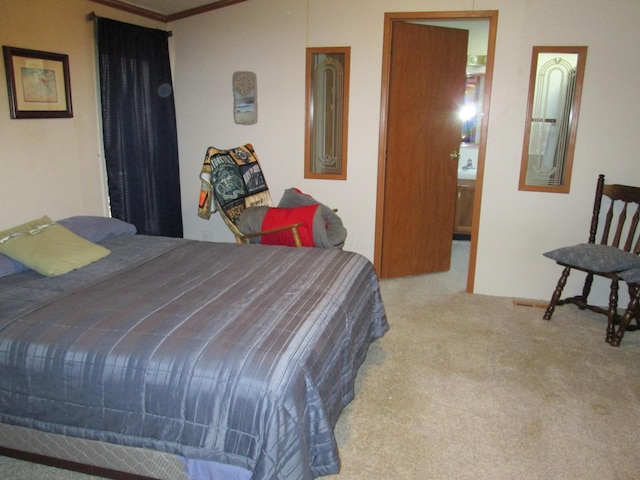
{"x":240,"y":354}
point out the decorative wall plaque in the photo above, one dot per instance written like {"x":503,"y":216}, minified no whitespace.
{"x":245,"y":98}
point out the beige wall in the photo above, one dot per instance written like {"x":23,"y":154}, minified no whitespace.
{"x":53,"y":166}
{"x":269,"y":38}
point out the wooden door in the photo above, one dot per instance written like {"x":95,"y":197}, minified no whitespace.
{"x":426,"y":88}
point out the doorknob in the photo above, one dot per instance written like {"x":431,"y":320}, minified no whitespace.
{"x":454,"y":155}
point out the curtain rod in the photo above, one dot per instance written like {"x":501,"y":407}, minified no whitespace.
{"x":92,"y":16}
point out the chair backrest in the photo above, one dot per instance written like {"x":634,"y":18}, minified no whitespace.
{"x":236,"y":181}
{"x":620,"y":221}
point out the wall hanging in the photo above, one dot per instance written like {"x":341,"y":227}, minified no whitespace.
{"x":245,"y":98}
{"x":327,"y":91}
{"x":37,"y":83}
{"x":555,"y":89}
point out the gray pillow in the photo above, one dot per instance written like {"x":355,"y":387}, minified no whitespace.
{"x":597,"y":258}
{"x":9,"y":266}
{"x":250,"y":221}
{"x":631,"y":276}
{"x":96,"y":229}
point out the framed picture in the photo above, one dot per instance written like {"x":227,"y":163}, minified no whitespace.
{"x":37,"y":83}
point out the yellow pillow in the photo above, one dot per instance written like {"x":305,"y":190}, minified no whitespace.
{"x":48,"y":248}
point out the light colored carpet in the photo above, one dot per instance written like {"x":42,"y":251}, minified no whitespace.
{"x":472,"y":387}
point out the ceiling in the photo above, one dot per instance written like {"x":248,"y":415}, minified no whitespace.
{"x":167,"y":10}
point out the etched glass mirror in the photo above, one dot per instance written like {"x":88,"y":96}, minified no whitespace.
{"x":555,"y":88}
{"x":327,"y":89}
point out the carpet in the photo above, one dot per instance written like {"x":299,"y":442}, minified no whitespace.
{"x":473,"y":387}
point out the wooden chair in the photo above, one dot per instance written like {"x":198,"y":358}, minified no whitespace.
{"x":232,"y":180}
{"x":616,"y":252}
{"x":632,"y":277}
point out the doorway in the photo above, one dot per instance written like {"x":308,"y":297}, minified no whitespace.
{"x":386,"y":175}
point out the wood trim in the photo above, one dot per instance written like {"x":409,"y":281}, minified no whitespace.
{"x":382,"y":141}
{"x":125,"y":7}
{"x":492,"y":16}
{"x":389,"y":19}
{"x":205,"y":8}
{"x":143,"y":12}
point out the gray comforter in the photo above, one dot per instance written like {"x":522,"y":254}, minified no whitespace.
{"x":241,"y":354}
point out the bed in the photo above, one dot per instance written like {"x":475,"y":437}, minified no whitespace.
{"x":222,"y":360}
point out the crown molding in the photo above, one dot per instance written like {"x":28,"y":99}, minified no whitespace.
{"x":143,"y":12}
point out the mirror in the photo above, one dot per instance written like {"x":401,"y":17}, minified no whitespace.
{"x":471,"y":111}
{"x":555,"y":88}
{"x":327,"y":91}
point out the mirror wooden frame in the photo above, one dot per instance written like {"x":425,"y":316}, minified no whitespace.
{"x":572,"y":110}
{"x":327,"y":112}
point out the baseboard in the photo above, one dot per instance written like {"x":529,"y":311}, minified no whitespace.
{"x":525,"y":302}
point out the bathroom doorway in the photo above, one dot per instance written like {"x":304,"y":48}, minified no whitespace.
{"x":448,"y":20}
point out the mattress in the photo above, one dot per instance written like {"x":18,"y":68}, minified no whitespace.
{"x":217,"y":354}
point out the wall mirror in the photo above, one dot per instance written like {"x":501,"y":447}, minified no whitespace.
{"x":327,"y":92}
{"x":555,"y":88}
{"x":471,"y":111}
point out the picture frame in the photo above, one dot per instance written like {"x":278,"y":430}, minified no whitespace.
{"x":38,"y":83}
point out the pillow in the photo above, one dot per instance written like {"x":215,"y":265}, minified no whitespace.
{"x":97,"y":229}
{"x":333,"y":235}
{"x":598,"y":258}
{"x":631,"y":276}
{"x":48,"y":248}
{"x":9,"y":266}
{"x":292,"y":197}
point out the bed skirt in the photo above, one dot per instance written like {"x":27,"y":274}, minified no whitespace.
{"x":105,"y":459}
{"x":83,"y":455}
{"x":108,"y":460}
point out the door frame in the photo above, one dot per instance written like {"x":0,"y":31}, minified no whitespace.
{"x":389,"y":20}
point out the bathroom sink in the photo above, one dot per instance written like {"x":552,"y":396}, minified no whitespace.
{"x":467,"y":174}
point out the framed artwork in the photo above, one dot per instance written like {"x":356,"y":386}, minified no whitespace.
{"x":37,"y":83}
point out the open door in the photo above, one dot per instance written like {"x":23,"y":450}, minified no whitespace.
{"x":426,"y":89}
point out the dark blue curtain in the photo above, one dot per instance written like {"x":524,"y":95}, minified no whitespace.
{"x":139,"y":127}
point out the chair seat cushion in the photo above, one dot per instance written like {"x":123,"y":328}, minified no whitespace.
{"x":631,"y":276}
{"x":597,"y":258}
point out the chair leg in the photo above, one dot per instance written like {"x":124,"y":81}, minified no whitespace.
{"x":556,"y":293}
{"x":586,"y":289}
{"x":612,"y":310}
{"x":630,"y":313}
{"x":633,"y":290}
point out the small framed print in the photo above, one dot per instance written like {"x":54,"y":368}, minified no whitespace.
{"x":37,"y":83}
